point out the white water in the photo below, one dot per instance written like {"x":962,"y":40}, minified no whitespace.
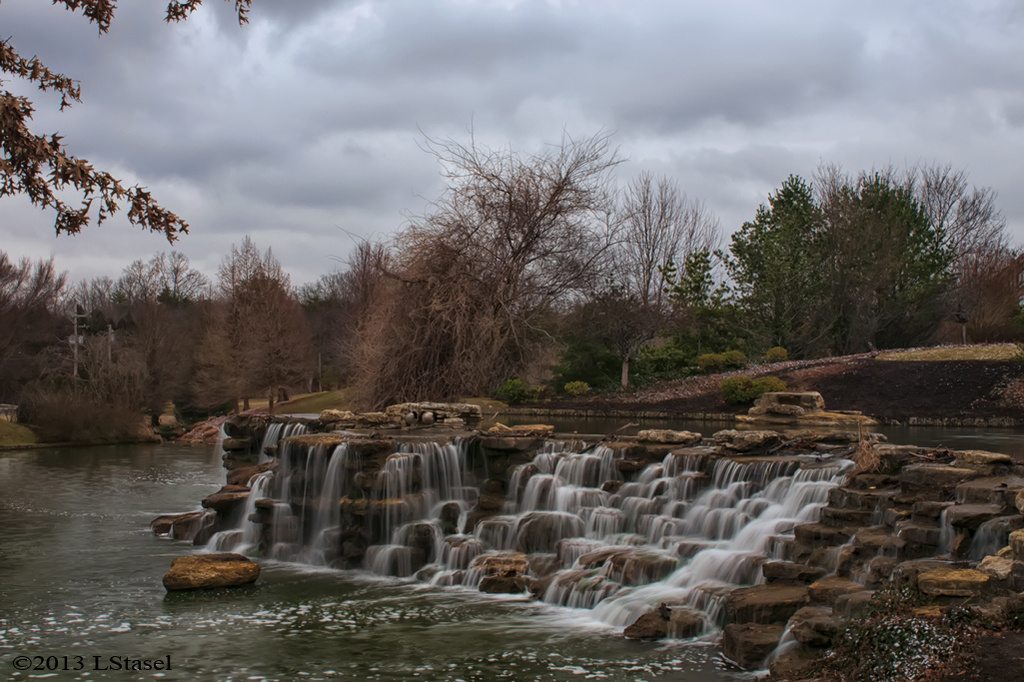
{"x":682,"y":530}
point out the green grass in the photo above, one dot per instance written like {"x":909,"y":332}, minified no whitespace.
{"x":313,"y":403}
{"x":12,"y":434}
{"x":1002,"y":351}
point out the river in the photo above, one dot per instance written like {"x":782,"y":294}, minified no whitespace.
{"x":80,"y":583}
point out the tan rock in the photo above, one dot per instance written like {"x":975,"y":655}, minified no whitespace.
{"x":668,"y":436}
{"x":952,"y":582}
{"x":1017,"y":543}
{"x":207,"y":571}
{"x":827,"y":590}
{"x":494,"y":563}
{"x":337,"y":416}
{"x":521,"y":430}
{"x":980,"y":457}
{"x":999,"y":568}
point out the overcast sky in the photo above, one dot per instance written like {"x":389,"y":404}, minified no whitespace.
{"x":304,"y":128}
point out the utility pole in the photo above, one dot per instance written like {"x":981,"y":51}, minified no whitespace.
{"x":74,"y":343}
{"x":76,"y":340}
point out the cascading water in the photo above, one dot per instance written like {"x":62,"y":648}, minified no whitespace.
{"x":681,"y":530}
{"x":275,"y":432}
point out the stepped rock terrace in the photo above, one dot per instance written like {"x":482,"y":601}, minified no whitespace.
{"x":765,"y":540}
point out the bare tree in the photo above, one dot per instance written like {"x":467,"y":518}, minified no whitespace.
{"x":659,"y":226}
{"x":30,"y":318}
{"x":336,"y":305}
{"x":986,"y":287}
{"x":259,"y":341}
{"x":473,"y":283}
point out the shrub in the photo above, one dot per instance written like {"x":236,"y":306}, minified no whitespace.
{"x":743,"y":390}
{"x":710,"y":362}
{"x":716,"y":362}
{"x":577,"y":389}
{"x":539,"y":393}
{"x":734,"y":359}
{"x":513,"y":392}
{"x":776,"y":354}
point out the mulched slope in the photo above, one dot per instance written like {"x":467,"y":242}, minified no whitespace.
{"x":995,"y":657}
{"x":897,"y":390}
{"x":887,"y":389}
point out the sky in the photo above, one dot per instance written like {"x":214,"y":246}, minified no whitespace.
{"x":305,"y":129}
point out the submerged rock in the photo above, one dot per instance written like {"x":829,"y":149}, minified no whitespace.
{"x":208,"y":571}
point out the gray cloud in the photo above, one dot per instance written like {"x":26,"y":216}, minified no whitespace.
{"x":302,"y":128}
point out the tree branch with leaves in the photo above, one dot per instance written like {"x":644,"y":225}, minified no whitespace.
{"x":43,"y":169}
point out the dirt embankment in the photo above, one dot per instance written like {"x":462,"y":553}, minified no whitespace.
{"x":888,"y":390}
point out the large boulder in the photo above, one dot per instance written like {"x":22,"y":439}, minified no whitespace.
{"x":208,"y":571}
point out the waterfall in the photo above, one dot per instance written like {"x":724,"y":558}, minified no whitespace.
{"x":683,"y":530}
{"x":275,"y":432}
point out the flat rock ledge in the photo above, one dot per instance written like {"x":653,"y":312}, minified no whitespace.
{"x":210,"y":571}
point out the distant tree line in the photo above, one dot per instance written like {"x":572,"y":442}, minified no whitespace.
{"x":531,"y":271}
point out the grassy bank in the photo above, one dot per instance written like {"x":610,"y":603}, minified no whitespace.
{"x":14,"y":435}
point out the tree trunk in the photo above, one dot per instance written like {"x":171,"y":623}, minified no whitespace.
{"x":625,"y":373}
{"x":245,"y":403}
{"x":270,"y":403}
